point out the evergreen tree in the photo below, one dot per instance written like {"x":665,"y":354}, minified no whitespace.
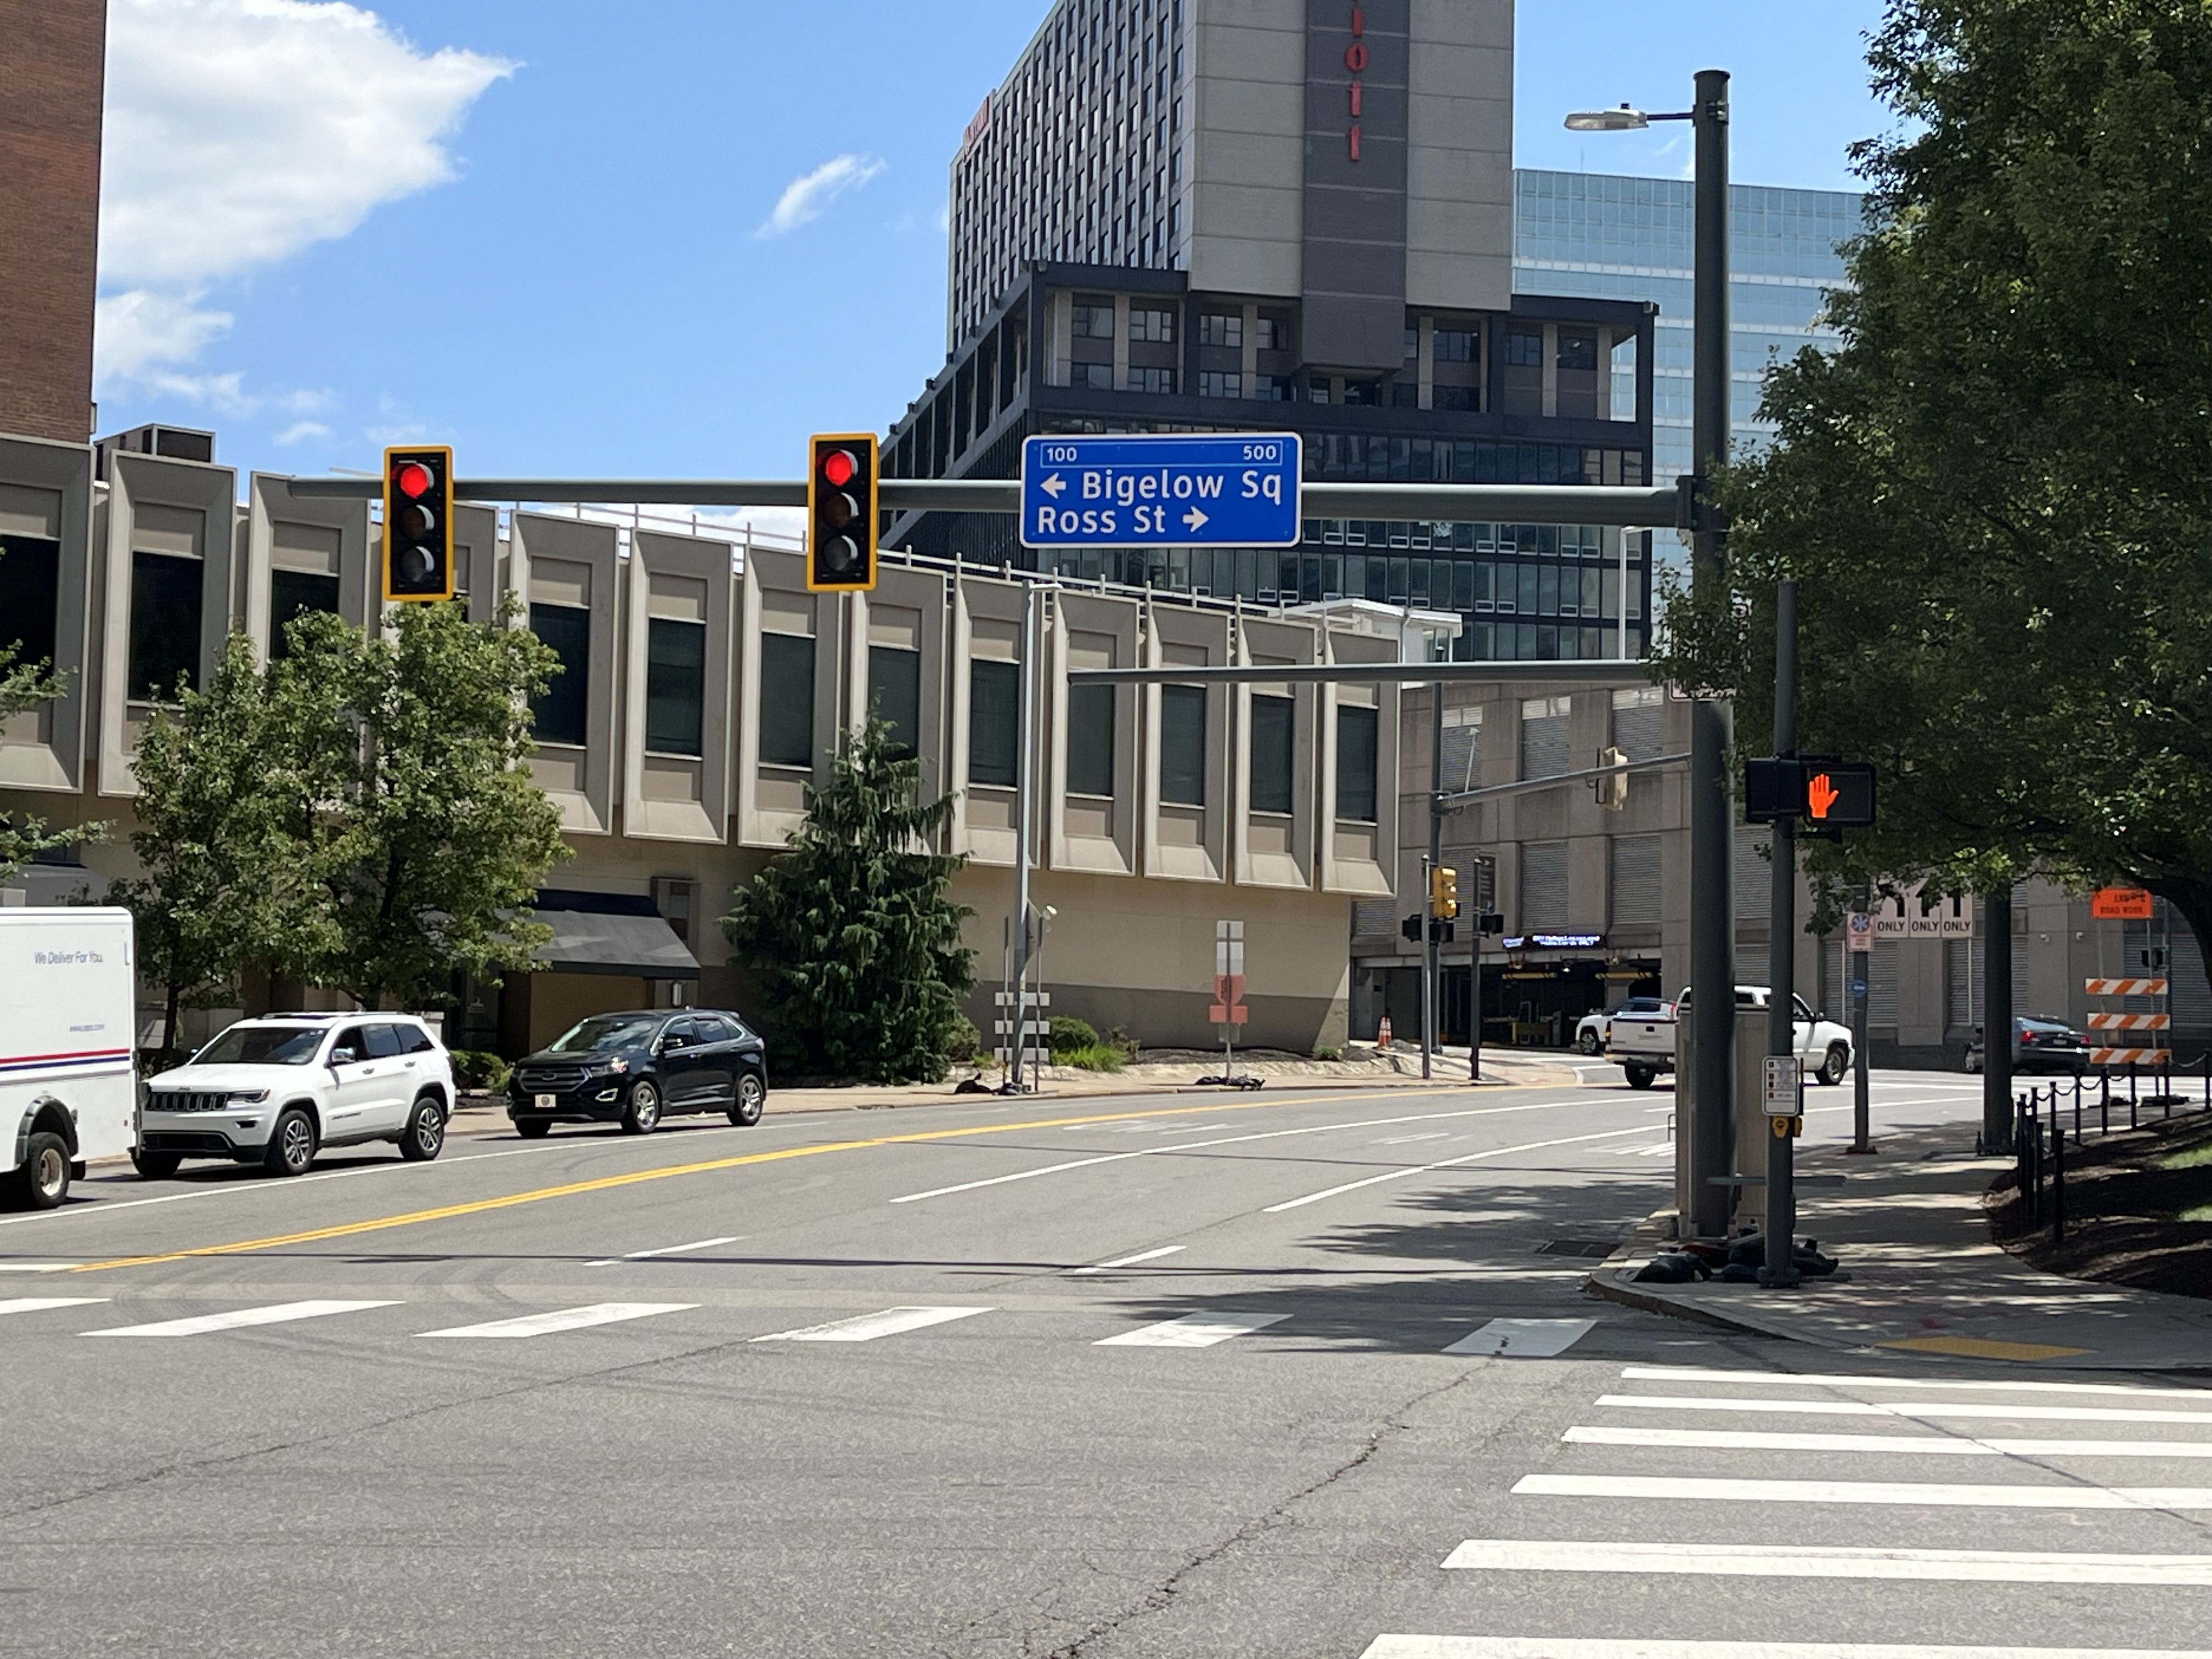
{"x":851,"y":927}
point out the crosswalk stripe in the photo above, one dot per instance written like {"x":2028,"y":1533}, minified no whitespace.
{"x":1132,"y":1260}
{"x":1964,"y":1409}
{"x":1763,"y":1560}
{"x":36,"y":1303}
{"x":1193,"y":1331}
{"x":665,"y":1249}
{"x":277,"y":1313}
{"x":566,"y":1319}
{"x":1716,"y":1489}
{"x":36,"y":1266}
{"x":2001,"y":1385}
{"x":1524,"y":1339}
{"x":866,"y":1327}
{"x":1938,"y":1445}
{"x":1553,"y":1647}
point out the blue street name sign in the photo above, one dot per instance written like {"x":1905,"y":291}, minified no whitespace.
{"x":1217,"y":489}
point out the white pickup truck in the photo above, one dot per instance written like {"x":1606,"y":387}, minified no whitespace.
{"x":1643,"y":1045}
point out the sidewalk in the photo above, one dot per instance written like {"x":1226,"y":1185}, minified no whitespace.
{"x":1921,"y":1275}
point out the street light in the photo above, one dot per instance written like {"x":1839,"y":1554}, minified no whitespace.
{"x":1712,"y":819}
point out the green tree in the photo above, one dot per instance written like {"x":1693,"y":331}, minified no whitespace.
{"x":852,"y":928}
{"x":223,"y":886}
{"x":1996,"y":495}
{"x":23,"y":687}
{"x":424,"y":825}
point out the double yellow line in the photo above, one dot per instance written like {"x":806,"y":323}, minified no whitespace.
{"x":607,"y":1184}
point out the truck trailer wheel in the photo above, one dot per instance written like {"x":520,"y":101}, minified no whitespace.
{"x":44,"y":1181}
{"x":154,"y":1166}
{"x":1640,"y":1077}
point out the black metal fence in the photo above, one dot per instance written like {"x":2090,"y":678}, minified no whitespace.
{"x":2048,"y":1117}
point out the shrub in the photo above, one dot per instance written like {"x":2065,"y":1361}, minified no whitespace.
{"x":1067,"y":1034}
{"x":1328,"y":1054}
{"x":1090,"y":1057}
{"x":477,"y":1072}
{"x":965,"y":1042}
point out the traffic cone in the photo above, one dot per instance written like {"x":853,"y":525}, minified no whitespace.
{"x":1383,"y":1033}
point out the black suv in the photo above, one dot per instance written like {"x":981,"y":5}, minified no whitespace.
{"x":635,"y":1068}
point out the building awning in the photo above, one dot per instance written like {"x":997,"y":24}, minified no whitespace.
{"x":610,"y":934}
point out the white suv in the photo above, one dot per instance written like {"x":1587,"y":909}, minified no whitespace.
{"x":277,"y":1089}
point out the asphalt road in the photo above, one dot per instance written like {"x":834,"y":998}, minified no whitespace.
{"x":1284,"y":1374}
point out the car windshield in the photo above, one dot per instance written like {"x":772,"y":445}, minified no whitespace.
{"x":604,"y":1031}
{"x":262,"y":1045}
{"x":2043,"y":1022}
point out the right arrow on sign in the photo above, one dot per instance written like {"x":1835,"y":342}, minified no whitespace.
{"x":1193,"y":519}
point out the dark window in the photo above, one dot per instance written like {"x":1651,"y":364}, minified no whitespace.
{"x":1317,"y":390}
{"x":1092,"y":323}
{"x":1272,"y":334}
{"x":1158,"y":381}
{"x":1460,"y":398}
{"x":1097,"y":376}
{"x":994,"y":722}
{"x":674,"y":686}
{"x":1524,"y":350}
{"x":1217,"y":328}
{"x":294,"y":593}
{"x":1413,"y":343}
{"x":561,"y":713}
{"x":786,"y":700}
{"x":1182,"y":745}
{"x":895,"y":693}
{"x":1214,"y":383}
{"x":1271,"y":388}
{"x":1453,"y":345}
{"x":1272,"y":725}
{"x":1153,"y":325}
{"x":1355,"y":764}
{"x":1578,"y":350}
{"x":165,"y":624}
{"x":352,"y":1037}
{"x":384,"y":1042}
{"x":414,"y":1039}
{"x":30,"y":595}
{"x":1091,"y":740}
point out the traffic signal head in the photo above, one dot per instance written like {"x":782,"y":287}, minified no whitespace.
{"x":1443,"y":892}
{"x":840,"y":514}
{"x":418,"y":523}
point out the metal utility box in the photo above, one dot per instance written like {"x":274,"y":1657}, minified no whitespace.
{"x":1748,"y":1124}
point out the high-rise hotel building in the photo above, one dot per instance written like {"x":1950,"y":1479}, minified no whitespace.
{"x":1179,"y":216}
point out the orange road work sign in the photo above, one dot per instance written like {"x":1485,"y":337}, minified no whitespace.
{"x":2121,"y":904}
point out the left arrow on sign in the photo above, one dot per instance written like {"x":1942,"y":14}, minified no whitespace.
{"x":1053,"y":485}
{"x":1193,"y":519}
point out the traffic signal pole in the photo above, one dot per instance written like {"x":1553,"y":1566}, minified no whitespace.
{"x":1429,"y":943}
{"x":1781,"y":1270}
{"x":1024,"y":797}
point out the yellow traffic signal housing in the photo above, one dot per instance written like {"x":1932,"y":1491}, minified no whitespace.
{"x":1613,"y":789}
{"x":1443,"y":893}
{"x":418,"y":523}
{"x":841,"y":513}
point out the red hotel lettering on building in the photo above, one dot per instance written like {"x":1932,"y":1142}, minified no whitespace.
{"x":1355,"y":60}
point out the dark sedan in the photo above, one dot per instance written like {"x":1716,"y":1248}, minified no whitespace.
{"x":2039,"y":1043}
{"x":635,"y":1068}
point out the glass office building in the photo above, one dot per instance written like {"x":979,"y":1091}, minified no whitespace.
{"x":1605,"y":236}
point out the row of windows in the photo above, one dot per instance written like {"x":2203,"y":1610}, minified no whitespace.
{"x":1354,"y":455}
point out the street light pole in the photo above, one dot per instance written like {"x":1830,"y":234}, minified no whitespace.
{"x":1781,"y":1269}
{"x":1710,"y":1131}
{"x":1712,"y":852}
{"x":1429,"y":923}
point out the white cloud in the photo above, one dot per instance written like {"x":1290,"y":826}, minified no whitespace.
{"x":300,"y":431}
{"x":806,"y":197}
{"x":237,"y":133}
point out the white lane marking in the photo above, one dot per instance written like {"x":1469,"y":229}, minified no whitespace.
{"x":2000,"y":1384}
{"x":665,"y":1249}
{"x":1719,"y":1489}
{"x":1908,"y":1408}
{"x":1402,"y":1140}
{"x":1938,"y":1445}
{"x":1451,"y":1163}
{"x":1193,"y":1129}
{"x":1766,"y":1560}
{"x":36,"y":1266}
{"x":1131,"y":1260}
{"x":866,"y":1327}
{"x":1226,"y":1140}
{"x":1193,"y":1331}
{"x":567,"y":1319}
{"x":1553,"y":1647}
{"x":277,"y":1313}
{"x":38,"y":1304}
{"x":1524,"y":1339}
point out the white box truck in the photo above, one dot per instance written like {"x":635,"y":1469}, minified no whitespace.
{"x":69,"y":1089}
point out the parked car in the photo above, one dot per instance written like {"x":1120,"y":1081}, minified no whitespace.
{"x":277,"y":1089}
{"x":1589,"y":1030}
{"x":2039,"y":1043}
{"x":635,"y":1068}
{"x":1643,"y":1044}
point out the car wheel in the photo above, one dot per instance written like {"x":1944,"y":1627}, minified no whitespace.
{"x":44,"y":1181}
{"x":156,"y":1166}
{"x":1833,"y":1067}
{"x":531,"y":1128}
{"x":1972,"y":1065}
{"x":425,"y":1137}
{"x":291,"y":1150}
{"x":642,"y":1115}
{"x":753,"y":1099}
{"x":1640,"y":1077}
{"x":1588,"y":1042}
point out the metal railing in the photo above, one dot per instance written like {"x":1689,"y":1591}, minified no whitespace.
{"x":2049,"y":1117}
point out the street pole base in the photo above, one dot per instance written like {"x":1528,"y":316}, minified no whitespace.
{"x":1769,"y":1279}
{"x":1861,"y":1151}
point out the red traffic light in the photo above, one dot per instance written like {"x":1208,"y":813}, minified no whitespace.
{"x":414,"y":479}
{"x":838,"y":466}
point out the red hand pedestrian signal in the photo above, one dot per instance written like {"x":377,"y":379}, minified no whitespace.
{"x":1820,"y":795}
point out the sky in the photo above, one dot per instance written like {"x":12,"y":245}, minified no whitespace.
{"x":670,"y":238}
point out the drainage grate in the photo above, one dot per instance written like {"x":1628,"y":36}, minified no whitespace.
{"x":1597,"y":1247}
